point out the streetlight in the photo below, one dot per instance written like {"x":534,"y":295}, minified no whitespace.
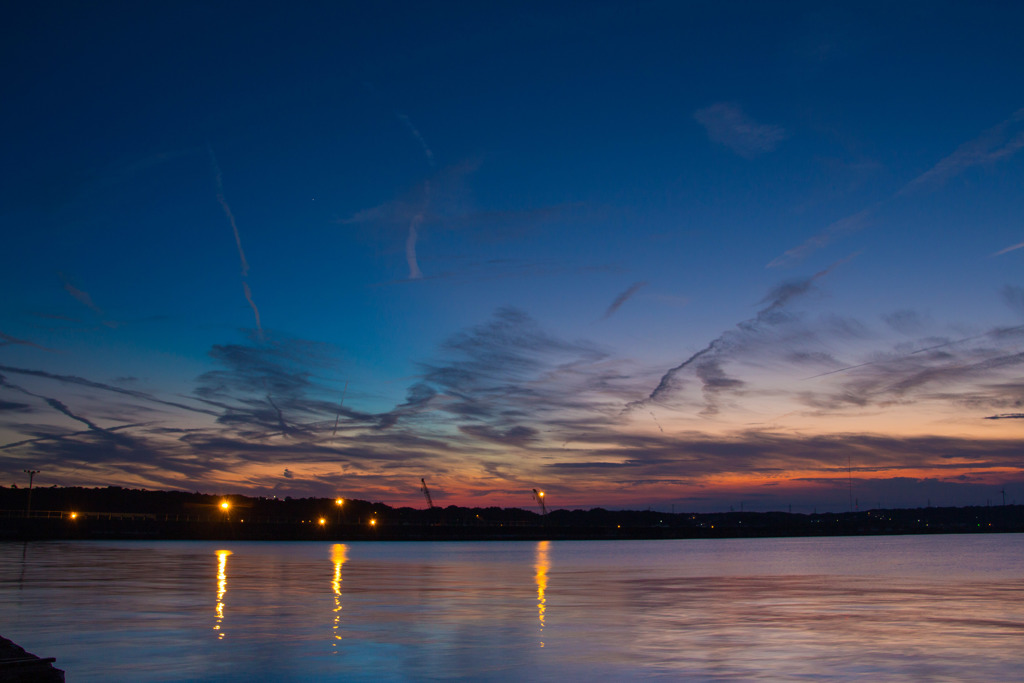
{"x":340,"y":503}
{"x":28,"y":505}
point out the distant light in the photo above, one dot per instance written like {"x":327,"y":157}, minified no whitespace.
{"x":540,"y":493}
{"x":373,"y":522}
{"x":74,"y":515}
{"x":339,"y":501}
{"x":322,"y":521}
{"x":225,"y":505}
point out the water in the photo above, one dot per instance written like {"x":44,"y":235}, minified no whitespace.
{"x":922,"y":608}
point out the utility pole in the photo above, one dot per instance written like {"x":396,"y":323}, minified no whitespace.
{"x":539,"y":497}
{"x":31,"y":475}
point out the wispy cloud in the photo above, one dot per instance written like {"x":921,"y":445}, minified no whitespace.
{"x":729,"y":125}
{"x":85,"y":299}
{"x":707,"y":363}
{"x":841,"y":228}
{"x":80,"y":381}
{"x":8,"y":340}
{"x":623,"y":298}
{"x":995,"y":144}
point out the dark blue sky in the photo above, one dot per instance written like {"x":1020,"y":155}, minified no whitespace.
{"x":632,"y":253}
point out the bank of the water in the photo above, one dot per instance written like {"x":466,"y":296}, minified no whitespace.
{"x":19,"y":666}
{"x":465,"y":524}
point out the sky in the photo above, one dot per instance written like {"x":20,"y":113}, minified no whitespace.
{"x":689,"y":256}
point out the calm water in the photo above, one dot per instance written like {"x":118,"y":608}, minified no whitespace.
{"x":925,"y":608}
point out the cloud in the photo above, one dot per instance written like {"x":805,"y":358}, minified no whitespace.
{"x":996,"y":144}
{"x":622,"y":298}
{"x":729,"y":125}
{"x":841,"y":228}
{"x":707,"y":363}
{"x":81,"y":297}
{"x":1006,"y":416}
{"x":507,"y":380}
{"x":964,"y":372}
{"x":1014,"y":298}
{"x":8,"y":340}
{"x":905,"y":321}
{"x":72,"y":379}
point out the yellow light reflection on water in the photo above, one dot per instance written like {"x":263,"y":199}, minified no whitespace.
{"x":541,"y":566}
{"x":339,"y":553}
{"x":222,"y":588}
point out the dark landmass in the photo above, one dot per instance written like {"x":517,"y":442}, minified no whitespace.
{"x":18,"y":666}
{"x":118,"y":513}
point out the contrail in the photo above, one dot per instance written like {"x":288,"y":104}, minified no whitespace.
{"x":280,"y":416}
{"x":623,"y":298}
{"x":410,"y":242}
{"x":81,"y":381}
{"x":218,"y":178}
{"x":53,"y":403}
{"x":255,"y":311}
{"x":60,"y":407}
{"x":423,"y":143}
{"x":62,"y":437}
{"x":907,"y":355}
{"x":776,"y":299}
{"x":410,"y":248}
{"x":342,"y":403}
{"x":1015,"y":247}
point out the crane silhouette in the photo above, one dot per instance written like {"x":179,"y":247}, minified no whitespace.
{"x":426,"y":494}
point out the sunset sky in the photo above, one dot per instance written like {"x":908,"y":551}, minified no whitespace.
{"x":636,"y":254}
